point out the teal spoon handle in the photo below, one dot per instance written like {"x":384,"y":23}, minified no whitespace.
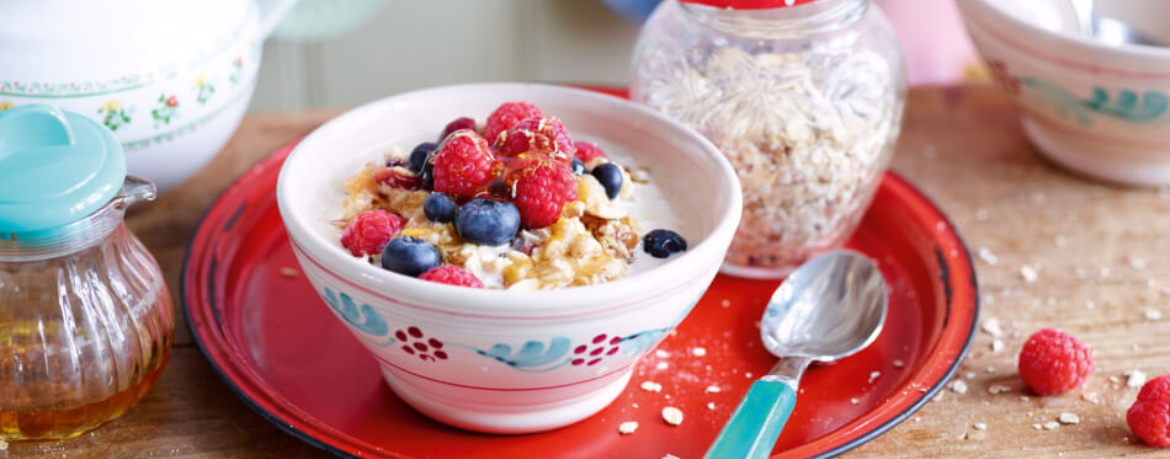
{"x":756,"y":423}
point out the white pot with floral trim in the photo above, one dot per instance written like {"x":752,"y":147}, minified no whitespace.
{"x":171,"y":79}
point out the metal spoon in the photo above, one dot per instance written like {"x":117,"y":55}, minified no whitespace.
{"x":828,"y":309}
{"x":1107,"y":30}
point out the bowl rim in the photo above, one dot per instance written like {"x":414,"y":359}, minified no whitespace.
{"x":1127,"y":50}
{"x":697,"y":264}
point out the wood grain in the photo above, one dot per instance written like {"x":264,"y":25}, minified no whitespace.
{"x":963,"y":146}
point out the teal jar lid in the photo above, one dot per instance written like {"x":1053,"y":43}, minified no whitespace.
{"x":56,"y":167}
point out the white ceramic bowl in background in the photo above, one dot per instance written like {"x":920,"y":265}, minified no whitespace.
{"x":171,"y":79}
{"x":1102,"y":111}
{"x":494,"y":360}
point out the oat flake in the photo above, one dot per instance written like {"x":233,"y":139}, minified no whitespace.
{"x":627,"y":428}
{"x":672,"y":415}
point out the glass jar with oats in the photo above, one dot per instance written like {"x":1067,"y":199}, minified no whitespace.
{"x":805,"y":97}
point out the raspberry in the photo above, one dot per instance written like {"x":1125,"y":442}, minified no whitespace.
{"x":452,"y":275}
{"x":463,"y":165}
{"x":369,"y":232}
{"x":507,"y":116}
{"x":461,"y":123}
{"x":1053,"y":361}
{"x":1149,"y":417}
{"x":544,"y":136}
{"x":542,"y":188}
{"x":397,"y":177}
{"x":587,"y":151}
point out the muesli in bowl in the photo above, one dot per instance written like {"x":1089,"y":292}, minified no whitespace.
{"x":522,"y":354}
{"x":529,"y":209}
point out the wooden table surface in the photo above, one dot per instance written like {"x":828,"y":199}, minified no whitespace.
{"x":1099,"y":252}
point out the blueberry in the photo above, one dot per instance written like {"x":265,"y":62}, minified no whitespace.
{"x":461,"y":123}
{"x":662,"y":243}
{"x":487,"y":221}
{"x":578,"y":167}
{"x":418,"y":156}
{"x":439,"y":208}
{"x":410,"y":256}
{"x":610,"y":176}
{"x":428,"y":175}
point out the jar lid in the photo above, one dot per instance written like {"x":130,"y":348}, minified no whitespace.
{"x":749,"y":4}
{"x":56,"y":167}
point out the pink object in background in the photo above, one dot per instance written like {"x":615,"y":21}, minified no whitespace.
{"x":936,"y":45}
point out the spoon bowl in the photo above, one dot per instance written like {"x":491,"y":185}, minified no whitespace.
{"x":830,"y":308}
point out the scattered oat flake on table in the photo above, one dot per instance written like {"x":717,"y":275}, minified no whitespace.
{"x":672,"y":415}
{"x":1069,"y":418}
{"x":712,"y":389}
{"x":1137,"y":263}
{"x":698,"y":351}
{"x":627,"y":427}
{"x":1137,"y":378}
{"x":1037,"y":426}
{"x":996,"y":389}
{"x":991,"y":326}
{"x":1153,"y":314}
{"x":1028,"y":273}
{"x":988,"y":257}
{"x":957,"y":386}
{"x":1051,"y":425}
{"x":1091,"y":397}
{"x":651,"y":386}
{"x":980,"y":426}
{"x":289,"y":272}
{"x":1104,"y":272}
{"x":997,"y":345}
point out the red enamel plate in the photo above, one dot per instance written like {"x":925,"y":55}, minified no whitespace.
{"x":275,"y":344}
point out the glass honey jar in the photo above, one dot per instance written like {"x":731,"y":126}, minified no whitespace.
{"x":86,"y":320}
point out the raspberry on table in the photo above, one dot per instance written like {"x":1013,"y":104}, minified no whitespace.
{"x":1149,"y":417}
{"x":587,"y":151}
{"x":369,"y":232}
{"x":463,"y":165}
{"x":543,"y":187}
{"x":452,"y":275}
{"x":506,"y":116}
{"x":1053,"y":361}
{"x":543,"y":136}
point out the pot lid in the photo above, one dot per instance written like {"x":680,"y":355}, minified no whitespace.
{"x":100,"y":43}
{"x":56,"y":167}
{"x":749,"y":4}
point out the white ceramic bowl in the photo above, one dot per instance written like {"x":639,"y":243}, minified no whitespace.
{"x":493,"y":360}
{"x":171,"y":79}
{"x":1096,"y":109}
